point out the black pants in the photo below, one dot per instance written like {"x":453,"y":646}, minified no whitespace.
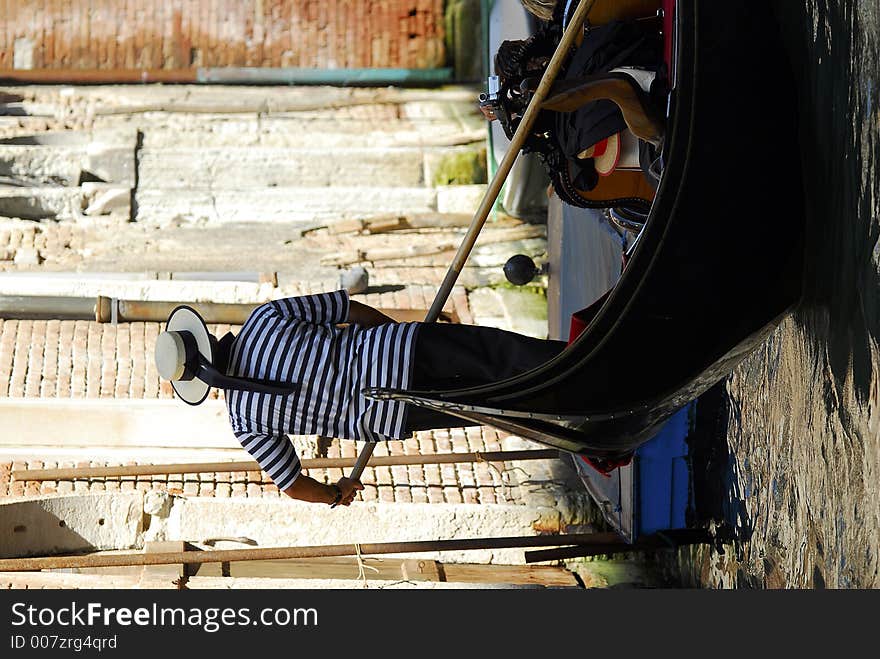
{"x":452,"y":356}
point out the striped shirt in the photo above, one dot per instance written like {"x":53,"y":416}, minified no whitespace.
{"x":297,"y":340}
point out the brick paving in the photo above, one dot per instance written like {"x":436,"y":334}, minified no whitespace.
{"x":449,"y":483}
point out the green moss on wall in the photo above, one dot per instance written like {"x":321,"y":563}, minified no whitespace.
{"x":461,"y":168}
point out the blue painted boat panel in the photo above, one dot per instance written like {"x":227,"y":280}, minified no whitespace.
{"x":663,"y":491}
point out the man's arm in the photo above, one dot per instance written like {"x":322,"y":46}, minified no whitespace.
{"x":277,"y":457}
{"x":318,"y":309}
{"x":308,"y":489}
{"x":366,"y":316}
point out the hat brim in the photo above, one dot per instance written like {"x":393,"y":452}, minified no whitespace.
{"x":187,"y":319}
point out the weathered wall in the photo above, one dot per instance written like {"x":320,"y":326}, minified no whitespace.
{"x":179,"y":34}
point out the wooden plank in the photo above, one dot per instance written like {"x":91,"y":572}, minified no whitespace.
{"x":421,"y":569}
{"x":490,"y":237}
{"x":115,"y":422}
{"x":67,"y":581}
{"x":546,"y":575}
{"x":317,"y":568}
{"x":392,"y":569}
{"x":100,"y":559}
{"x":349,"y":257}
{"x":393,"y":222}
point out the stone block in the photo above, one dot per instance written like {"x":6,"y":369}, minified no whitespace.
{"x":399,"y":474}
{"x":402,"y":494}
{"x":66,"y":524}
{"x":487,"y":495}
{"x":101,"y":199}
{"x":112,"y":164}
{"x":27,"y":256}
{"x":452,"y":495}
{"x":37,"y":203}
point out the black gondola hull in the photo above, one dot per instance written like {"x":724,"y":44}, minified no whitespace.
{"x":717,"y":267}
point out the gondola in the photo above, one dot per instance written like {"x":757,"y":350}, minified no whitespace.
{"x":716,"y":266}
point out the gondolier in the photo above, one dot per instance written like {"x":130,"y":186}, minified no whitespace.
{"x":299,"y":365}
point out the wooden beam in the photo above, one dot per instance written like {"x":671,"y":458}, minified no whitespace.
{"x":540,"y":576}
{"x":338,"y":568}
{"x":365,"y":549}
{"x":421,"y":569}
{"x":71,"y":473}
{"x":521,"y":575}
{"x":391,"y":569}
{"x":659,"y":540}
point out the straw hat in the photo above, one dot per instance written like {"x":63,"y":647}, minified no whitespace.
{"x":185,"y":355}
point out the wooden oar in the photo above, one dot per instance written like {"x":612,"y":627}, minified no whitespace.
{"x":574,"y":28}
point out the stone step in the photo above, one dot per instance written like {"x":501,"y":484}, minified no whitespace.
{"x":119,"y":136}
{"x":94,"y":200}
{"x":43,"y":165}
{"x":254,"y":98}
{"x":107,"y":422}
{"x":306,"y":132}
{"x":298,"y":206}
{"x":68,"y":164}
{"x":242,"y":168}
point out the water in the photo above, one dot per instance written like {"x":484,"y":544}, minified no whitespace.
{"x":802,"y":489}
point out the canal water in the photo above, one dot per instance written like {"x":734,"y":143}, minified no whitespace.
{"x":800,"y":483}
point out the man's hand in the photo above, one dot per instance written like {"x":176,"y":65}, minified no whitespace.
{"x":308,"y":489}
{"x":349,"y":488}
{"x":366,"y":316}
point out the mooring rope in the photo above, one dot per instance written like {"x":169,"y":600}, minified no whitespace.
{"x":362,"y":567}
